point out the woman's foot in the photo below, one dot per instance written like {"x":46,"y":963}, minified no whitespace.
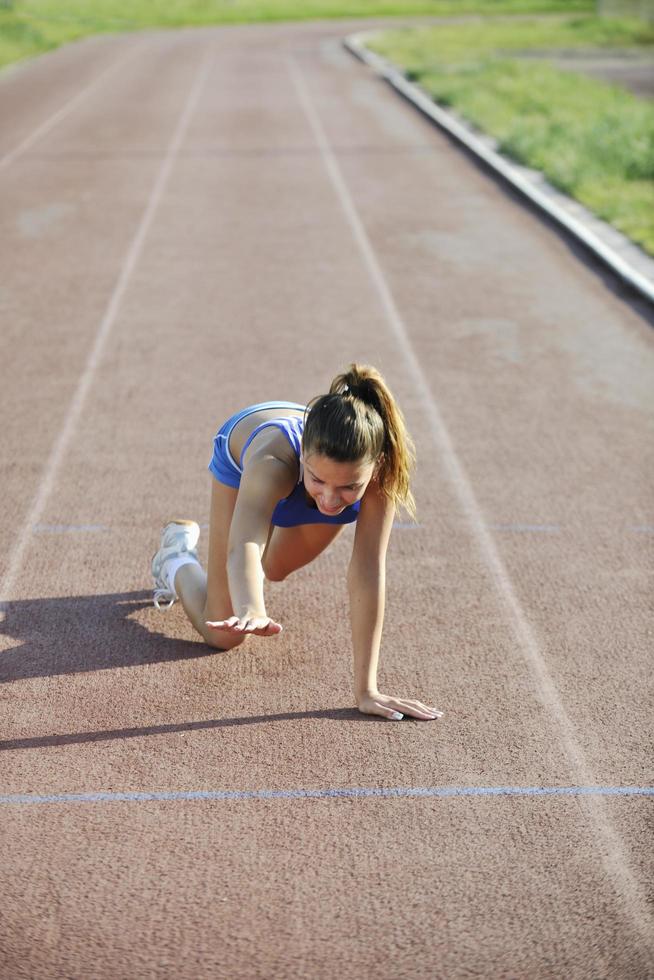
{"x":178,"y":540}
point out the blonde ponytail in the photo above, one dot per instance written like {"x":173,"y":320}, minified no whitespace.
{"x":360,"y":419}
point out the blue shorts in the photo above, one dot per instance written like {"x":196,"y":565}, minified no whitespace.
{"x":222,"y":465}
{"x":293,"y":510}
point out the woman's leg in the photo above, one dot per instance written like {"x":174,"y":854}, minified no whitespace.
{"x":289,"y":548}
{"x":206,"y":595}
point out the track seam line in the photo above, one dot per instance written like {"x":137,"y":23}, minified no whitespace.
{"x":329,"y":793}
{"x":88,"y":374}
{"x":66,"y":109}
{"x":615,"y":860}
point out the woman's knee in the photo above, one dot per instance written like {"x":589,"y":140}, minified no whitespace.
{"x":223,"y":642}
{"x":274,"y":573}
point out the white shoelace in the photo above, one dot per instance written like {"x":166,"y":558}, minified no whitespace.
{"x":163,"y":599}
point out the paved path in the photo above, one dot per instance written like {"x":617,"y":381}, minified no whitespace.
{"x":196,"y":220}
{"x":632,"y":69}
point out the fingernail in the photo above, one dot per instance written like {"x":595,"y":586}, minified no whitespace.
{"x":396,"y":716}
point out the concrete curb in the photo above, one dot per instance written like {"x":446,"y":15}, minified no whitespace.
{"x":625,"y":258}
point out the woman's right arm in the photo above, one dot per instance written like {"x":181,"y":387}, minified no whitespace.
{"x":264,"y":482}
{"x":266,"y":479}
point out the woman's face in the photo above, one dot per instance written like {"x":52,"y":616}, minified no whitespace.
{"x":333,"y":485}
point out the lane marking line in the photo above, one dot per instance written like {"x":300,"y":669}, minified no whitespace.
{"x":444,"y":444}
{"x":94,"y":528}
{"x":88,"y":374}
{"x":612,"y":851}
{"x":397,"y":525}
{"x":68,"y":528}
{"x":393,"y":792}
{"x":534,"y":528}
{"x":65,"y":110}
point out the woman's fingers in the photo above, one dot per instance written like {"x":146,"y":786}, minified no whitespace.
{"x":396,"y":708}
{"x":417,"y":709}
{"x":260,"y":625}
{"x":223,"y":624}
{"x":384,"y":710}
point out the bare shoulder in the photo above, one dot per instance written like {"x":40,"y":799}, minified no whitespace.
{"x":270,"y":466}
{"x":272,"y":443}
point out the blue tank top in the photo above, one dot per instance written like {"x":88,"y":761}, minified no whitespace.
{"x":298,"y":508}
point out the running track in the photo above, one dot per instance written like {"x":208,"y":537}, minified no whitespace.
{"x":193,"y":221}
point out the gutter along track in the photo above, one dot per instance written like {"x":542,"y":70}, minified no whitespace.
{"x":633,"y":266}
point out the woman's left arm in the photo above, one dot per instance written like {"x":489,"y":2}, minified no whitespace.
{"x":367,"y":589}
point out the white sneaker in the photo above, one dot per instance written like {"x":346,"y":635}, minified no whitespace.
{"x":178,"y":538}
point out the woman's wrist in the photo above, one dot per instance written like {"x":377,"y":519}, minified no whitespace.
{"x":360,"y":693}
{"x":250,"y":612}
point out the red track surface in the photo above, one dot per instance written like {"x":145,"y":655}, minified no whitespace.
{"x":195,"y":221}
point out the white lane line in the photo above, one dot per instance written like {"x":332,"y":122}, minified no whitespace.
{"x":65,"y":110}
{"x":355,"y":792}
{"x":69,"y":528}
{"x":88,"y":374}
{"x":526,"y":528}
{"x":612,"y":850}
{"x":94,"y":528}
{"x":397,"y":525}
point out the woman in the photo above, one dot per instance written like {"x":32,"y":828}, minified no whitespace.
{"x":286,"y":481}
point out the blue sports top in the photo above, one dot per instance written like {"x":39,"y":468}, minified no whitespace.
{"x":297,"y":508}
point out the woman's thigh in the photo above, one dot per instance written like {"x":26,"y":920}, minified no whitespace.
{"x":223,"y":501}
{"x":289,"y":548}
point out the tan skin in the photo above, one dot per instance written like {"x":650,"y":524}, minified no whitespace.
{"x":227,"y":604}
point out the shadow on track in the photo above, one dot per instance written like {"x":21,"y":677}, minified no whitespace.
{"x":82,"y":633}
{"x":79,"y":738}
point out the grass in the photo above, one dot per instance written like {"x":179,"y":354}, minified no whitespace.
{"x":29,"y":27}
{"x":592,"y":140}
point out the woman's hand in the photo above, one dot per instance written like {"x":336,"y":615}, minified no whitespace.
{"x":258,"y":625}
{"x":374,"y":703}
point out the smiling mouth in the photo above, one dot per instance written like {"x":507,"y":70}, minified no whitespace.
{"x":327,"y":510}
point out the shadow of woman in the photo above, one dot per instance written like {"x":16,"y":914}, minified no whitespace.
{"x":82,"y":633}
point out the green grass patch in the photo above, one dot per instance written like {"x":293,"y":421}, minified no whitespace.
{"x":28,"y":27}
{"x":593,"y":140}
